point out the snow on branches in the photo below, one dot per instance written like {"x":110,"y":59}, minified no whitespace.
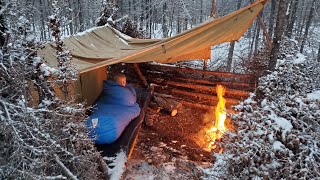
{"x":38,"y":142}
{"x":278,"y":128}
{"x":67,"y":73}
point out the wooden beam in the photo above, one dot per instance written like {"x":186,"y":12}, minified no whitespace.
{"x":202,"y":88}
{"x":196,"y":71}
{"x":140,"y":75}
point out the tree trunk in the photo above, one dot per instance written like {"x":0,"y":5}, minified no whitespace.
{"x":252,"y":41}
{"x":214,"y":8}
{"x":292,"y":19}
{"x":302,"y":18}
{"x":164,"y":20}
{"x":70,"y":17}
{"x":283,"y":4}
{"x":257,"y":38}
{"x":308,"y":24}
{"x":142,"y":18}
{"x":81,"y":25}
{"x":318,"y":58}
{"x":42,"y":28}
{"x":178,"y":25}
{"x":272,"y":15}
{"x":232,"y":44}
{"x":2,"y":27}
{"x":201,"y":10}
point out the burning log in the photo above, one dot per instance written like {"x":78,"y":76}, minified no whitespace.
{"x":167,"y":104}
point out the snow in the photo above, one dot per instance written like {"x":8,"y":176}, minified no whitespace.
{"x":300,"y":58}
{"x":118,"y":164}
{"x":277,"y":145}
{"x":281,"y":123}
{"x":314,"y":95}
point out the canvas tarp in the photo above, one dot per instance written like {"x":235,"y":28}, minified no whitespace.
{"x":105,"y":46}
{"x":94,"y":49}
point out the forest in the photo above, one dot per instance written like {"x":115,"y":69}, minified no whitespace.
{"x":271,"y":75}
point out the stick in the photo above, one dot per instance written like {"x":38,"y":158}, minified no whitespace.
{"x":64,"y":168}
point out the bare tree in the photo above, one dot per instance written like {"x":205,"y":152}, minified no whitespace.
{"x":308,"y":24}
{"x":292,"y":19}
{"x":283,"y":4}
{"x":272,"y":15}
{"x":232,"y":44}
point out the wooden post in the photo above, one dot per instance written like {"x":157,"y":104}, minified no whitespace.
{"x":139,"y":73}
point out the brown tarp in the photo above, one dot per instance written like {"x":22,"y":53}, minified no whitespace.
{"x":94,"y":49}
{"x":105,"y":46}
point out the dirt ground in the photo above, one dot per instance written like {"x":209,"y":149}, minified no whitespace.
{"x":171,"y":143}
{"x":178,"y":133}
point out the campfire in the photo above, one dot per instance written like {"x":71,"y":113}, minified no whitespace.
{"x":216,"y":131}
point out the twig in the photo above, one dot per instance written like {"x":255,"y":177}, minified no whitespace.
{"x":64,"y":168}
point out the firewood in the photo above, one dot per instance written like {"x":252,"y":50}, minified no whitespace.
{"x":154,"y":106}
{"x":167,"y":104}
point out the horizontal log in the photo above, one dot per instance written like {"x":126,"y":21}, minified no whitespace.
{"x":196,"y":71}
{"x":167,"y":104}
{"x":183,"y":95}
{"x":201,"y":88}
{"x":207,"y":82}
{"x":229,"y":84}
{"x":195,"y":105}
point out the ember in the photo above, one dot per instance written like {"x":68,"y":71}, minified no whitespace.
{"x":218,"y":128}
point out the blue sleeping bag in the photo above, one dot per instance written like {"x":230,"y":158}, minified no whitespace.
{"x":115,"y":109}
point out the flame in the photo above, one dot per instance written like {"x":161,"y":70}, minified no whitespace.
{"x":218,"y":129}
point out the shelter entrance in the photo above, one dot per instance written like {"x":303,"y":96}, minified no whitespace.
{"x":164,"y":137}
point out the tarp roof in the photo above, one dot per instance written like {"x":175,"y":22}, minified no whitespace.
{"x":105,"y":46}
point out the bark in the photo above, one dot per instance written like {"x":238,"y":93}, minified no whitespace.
{"x":164,"y":20}
{"x":155,"y":107}
{"x":196,"y":71}
{"x":201,"y":10}
{"x":318,"y":58}
{"x":283,"y":4}
{"x":214,"y":8}
{"x":302,"y":18}
{"x":167,"y":104}
{"x":42,"y":28}
{"x":2,"y":27}
{"x":257,"y":38}
{"x":252,"y":41}
{"x":272,"y":16}
{"x":308,"y":24}
{"x":292,"y":19}
{"x":81,"y":25}
{"x":70,"y":17}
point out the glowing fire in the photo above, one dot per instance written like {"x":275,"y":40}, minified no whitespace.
{"x":215,"y":133}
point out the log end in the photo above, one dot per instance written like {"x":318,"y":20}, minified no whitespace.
{"x":174,"y":112}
